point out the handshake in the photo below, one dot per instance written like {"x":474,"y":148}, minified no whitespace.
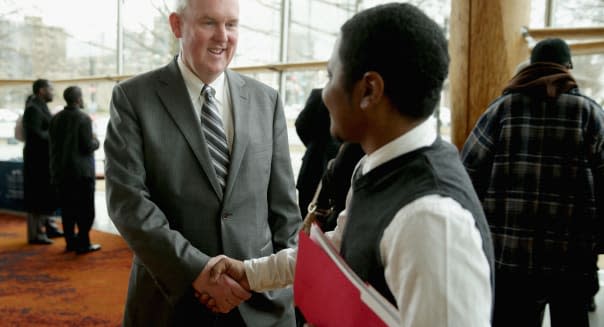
{"x":222,"y":285}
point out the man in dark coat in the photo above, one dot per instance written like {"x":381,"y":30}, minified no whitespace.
{"x":536,"y":159}
{"x":39,"y":195}
{"x":72,"y":146}
{"x":312,"y":126}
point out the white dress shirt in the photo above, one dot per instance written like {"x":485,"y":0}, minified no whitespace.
{"x":431,"y":251}
{"x":222,"y":97}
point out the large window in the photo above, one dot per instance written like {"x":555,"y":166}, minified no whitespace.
{"x":311,"y":36}
{"x":146,"y":39}
{"x":565,"y":13}
{"x":71,"y":39}
{"x":126,"y":37}
{"x":588,"y":69}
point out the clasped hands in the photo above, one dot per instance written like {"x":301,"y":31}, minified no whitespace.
{"x":222,"y":285}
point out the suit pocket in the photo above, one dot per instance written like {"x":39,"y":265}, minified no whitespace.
{"x":260,"y":149}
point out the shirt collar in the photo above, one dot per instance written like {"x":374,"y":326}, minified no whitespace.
{"x":420,"y":136}
{"x":194,"y":84}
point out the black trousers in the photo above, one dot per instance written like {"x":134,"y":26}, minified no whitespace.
{"x":520,"y":299}
{"x":77,"y":209}
{"x":189,"y":312}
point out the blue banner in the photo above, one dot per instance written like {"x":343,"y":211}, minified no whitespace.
{"x":11,"y":185}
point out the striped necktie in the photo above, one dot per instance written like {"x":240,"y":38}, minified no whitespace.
{"x":211,"y":123}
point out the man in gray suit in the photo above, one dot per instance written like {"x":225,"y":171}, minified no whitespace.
{"x":176,"y":203}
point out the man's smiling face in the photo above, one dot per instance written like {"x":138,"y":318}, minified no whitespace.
{"x":208,"y":30}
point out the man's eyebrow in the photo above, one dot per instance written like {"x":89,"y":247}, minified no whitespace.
{"x":208,"y":17}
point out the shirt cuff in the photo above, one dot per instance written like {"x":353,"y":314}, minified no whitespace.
{"x":271,"y":272}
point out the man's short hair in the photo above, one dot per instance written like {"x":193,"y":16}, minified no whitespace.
{"x":404,"y":46}
{"x":39,"y":84}
{"x":552,"y":50}
{"x":72,"y":95}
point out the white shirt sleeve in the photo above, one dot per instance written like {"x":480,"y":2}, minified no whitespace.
{"x":435,"y":266}
{"x":277,"y":270}
{"x":274,"y":271}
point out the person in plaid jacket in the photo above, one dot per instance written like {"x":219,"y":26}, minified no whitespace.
{"x":536,"y":161}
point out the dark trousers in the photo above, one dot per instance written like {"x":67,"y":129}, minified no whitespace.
{"x":190,"y":312}
{"x":520,"y":299}
{"x":77,"y":209}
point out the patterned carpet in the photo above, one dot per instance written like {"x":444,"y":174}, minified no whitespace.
{"x":42,"y":285}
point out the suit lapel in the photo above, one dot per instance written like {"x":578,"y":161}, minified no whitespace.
{"x":240,"y":103}
{"x":175,"y":98}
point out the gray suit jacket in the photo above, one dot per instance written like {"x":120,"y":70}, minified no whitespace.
{"x":164,"y":198}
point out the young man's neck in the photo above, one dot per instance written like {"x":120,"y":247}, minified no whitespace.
{"x":391,"y":129}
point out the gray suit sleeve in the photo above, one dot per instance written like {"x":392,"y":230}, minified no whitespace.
{"x":169,"y":258}
{"x":284,"y":214}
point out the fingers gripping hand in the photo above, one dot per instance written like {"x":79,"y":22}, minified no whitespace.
{"x":229,"y":295}
{"x":223,"y":293}
{"x":206,"y":300}
{"x":231,"y":267}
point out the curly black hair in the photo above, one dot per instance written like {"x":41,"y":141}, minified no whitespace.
{"x":404,"y":46}
{"x":72,"y":95}
{"x":39,"y":84}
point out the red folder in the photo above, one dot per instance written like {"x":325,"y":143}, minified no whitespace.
{"x":329,"y":293}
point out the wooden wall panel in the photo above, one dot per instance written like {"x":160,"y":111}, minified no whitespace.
{"x":486,"y":46}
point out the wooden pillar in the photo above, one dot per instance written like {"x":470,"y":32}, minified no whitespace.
{"x":486,"y":46}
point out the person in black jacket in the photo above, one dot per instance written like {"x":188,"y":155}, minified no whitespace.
{"x":335,"y":183}
{"x":312,"y":126}
{"x":323,"y":154}
{"x":38,"y":193}
{"x":72,"y":145}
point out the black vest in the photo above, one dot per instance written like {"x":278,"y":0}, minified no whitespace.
{"x":381,"y":193}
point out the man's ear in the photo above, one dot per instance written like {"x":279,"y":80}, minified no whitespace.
{"x":174,"y":19}
{"x":372,"y":86}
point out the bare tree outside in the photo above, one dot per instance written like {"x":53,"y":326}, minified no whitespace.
{"x":150,"y":46}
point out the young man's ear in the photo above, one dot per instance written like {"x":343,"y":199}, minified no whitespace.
{"x":174,"y":19}
{"x":372,"y":86}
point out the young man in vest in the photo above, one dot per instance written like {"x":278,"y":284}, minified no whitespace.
{"x":414,"y":227}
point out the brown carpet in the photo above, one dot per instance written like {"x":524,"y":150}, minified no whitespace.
{"x":42,"y":285}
